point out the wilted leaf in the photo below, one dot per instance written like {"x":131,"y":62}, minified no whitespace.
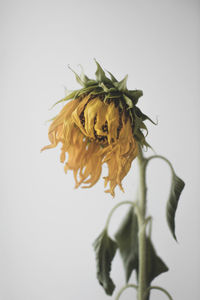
{"x":155,"y":265}
{"x":177,"y":186}
{"x":127,"y":239}
{"x":105,"y":249}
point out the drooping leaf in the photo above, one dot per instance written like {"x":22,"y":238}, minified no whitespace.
{"x":155,"y":265}
{"x":177,"y":186}
{"x":127,"y":240}
{"x":105,"y":249}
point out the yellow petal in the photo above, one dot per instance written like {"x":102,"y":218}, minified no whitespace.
{"x":77,"y":112}
{"x":90,"y":114}
{"x":112,"y":117}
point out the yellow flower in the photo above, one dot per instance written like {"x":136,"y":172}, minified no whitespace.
{"x":101,"y":124}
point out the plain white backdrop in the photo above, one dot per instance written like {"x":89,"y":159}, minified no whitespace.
{"x":46,"y":227}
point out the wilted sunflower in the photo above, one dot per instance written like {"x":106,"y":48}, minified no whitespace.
{"x":101,"y":124}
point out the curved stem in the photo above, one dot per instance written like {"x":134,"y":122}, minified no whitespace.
{"x":159,"y":288}
{"x":163,"y":158}
{"x":114,"y":208}
{"x":124,"y":288}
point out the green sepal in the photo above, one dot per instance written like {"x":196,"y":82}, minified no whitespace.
{"x":105,"y":249}
{"x":112,"y":76}
{"x":121,"y":85}
{"x":127,"y":240}
{"x":87,"y":90}
{"x":137,"y":121}
{"x":83,"y":77}
{"x":70,"y":96}
{"x":134,"y":95}
{"x":139,"y":136}
{"x":114,"y":90}
{"x":91,"y":83}
{"x":104,"y":87}
{"x":143,"y":116}
{"x":78,"y":78}
{"x":113,"y":96}
{"x":177,"y":186}
{"x":100,"y":74}
{"x":128,"y":101}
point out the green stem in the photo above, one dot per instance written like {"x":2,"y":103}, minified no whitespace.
{"x":163,"y":158}
{"x":114,"y":208}
{"x":161,"y":289}
{"x":142,"y":286}
{"x":124,"y":288}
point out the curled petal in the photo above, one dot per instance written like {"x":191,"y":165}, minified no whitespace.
{"x":112,"y":118}
{"x":93,"y":133}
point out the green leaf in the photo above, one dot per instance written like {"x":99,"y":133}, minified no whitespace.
{"x":155,"y":265}
{"x":105,"y":249}
{"x":127,"y":240}
{"x":177,"y":186}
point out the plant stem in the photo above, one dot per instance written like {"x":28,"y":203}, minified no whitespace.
{"x":161,"y":289}
{"x":124,"y":288}
{"x":142,"y":286}
{"x":113,"y":210}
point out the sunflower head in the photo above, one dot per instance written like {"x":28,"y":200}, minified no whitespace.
{"x":100,"y":124}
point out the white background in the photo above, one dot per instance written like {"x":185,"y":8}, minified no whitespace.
{"x":46,"y":227}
